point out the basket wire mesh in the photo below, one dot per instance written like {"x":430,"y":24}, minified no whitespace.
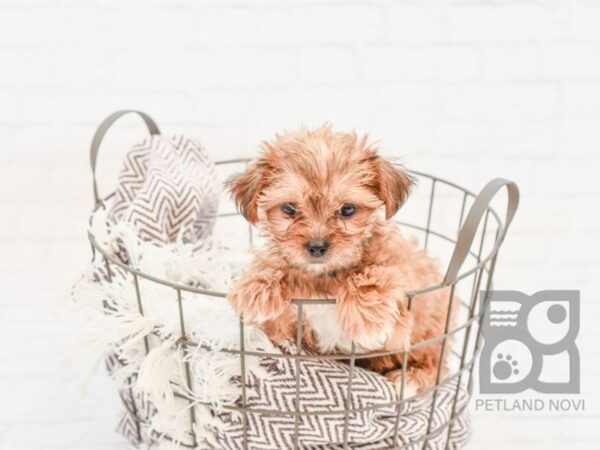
{"x":477,"y":236}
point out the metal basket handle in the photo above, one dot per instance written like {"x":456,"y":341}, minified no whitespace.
{"x":99,"y":136}
{"x":471,"y":223}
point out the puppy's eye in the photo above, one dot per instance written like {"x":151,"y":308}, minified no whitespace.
{"x":289,"y":209}
{"x":347,"y":210}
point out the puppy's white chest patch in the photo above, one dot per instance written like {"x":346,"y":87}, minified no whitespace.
{"x":330,"y":336}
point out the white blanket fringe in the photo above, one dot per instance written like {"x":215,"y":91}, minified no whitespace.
{"x":115,"y":325}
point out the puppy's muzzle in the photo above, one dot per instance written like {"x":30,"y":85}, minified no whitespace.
{"x":317,"y":247}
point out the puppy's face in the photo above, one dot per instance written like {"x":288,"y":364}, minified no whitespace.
{"x":317,"y":195}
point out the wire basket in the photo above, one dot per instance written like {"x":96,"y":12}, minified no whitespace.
{"x":453,"y":223}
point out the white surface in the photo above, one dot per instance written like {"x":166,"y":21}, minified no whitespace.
{"x":467,"y":90}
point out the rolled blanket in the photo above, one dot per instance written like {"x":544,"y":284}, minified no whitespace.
{"x":323,"y":388}
{"x":168,"y":188}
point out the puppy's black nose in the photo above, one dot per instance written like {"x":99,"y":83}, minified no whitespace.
{"x":317,"y":247}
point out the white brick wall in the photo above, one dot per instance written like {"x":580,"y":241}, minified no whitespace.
{"x":466,"y":89}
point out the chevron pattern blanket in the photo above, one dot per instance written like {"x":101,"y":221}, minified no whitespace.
{"x":323,"y":388}
{"x":167,"y":188}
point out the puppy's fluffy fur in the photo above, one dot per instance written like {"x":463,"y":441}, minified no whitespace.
{"x":301,"y":189}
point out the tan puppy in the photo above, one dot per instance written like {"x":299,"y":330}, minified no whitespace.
{"x":323,"y":200}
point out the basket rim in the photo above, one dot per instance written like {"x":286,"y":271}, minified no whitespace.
{"x":481,"y":262}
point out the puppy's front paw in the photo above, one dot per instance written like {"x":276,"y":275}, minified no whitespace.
{"x":365,"y":311}
{"x":260,"y":296}
{"x":411,"y":387}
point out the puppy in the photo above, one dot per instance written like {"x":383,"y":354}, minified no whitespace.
{"x":323,"y":200}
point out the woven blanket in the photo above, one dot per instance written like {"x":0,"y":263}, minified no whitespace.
{"x":167,"y":187}
{"x":323,"y":388}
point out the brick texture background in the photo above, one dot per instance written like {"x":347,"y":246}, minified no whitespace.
{"x":467,"y":90}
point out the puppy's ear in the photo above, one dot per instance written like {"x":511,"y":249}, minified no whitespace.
{"x":393,"y":185}
{"x":246,"y":187}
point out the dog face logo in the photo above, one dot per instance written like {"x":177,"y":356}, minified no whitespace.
{"x":529,"y":342}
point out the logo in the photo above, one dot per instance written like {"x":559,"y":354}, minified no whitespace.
{"x":529,"y":342}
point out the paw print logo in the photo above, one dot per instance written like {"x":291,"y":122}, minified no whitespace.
{"x":505,"y":367}
{"x":521,"y":334}
{"x":509,"y":363}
